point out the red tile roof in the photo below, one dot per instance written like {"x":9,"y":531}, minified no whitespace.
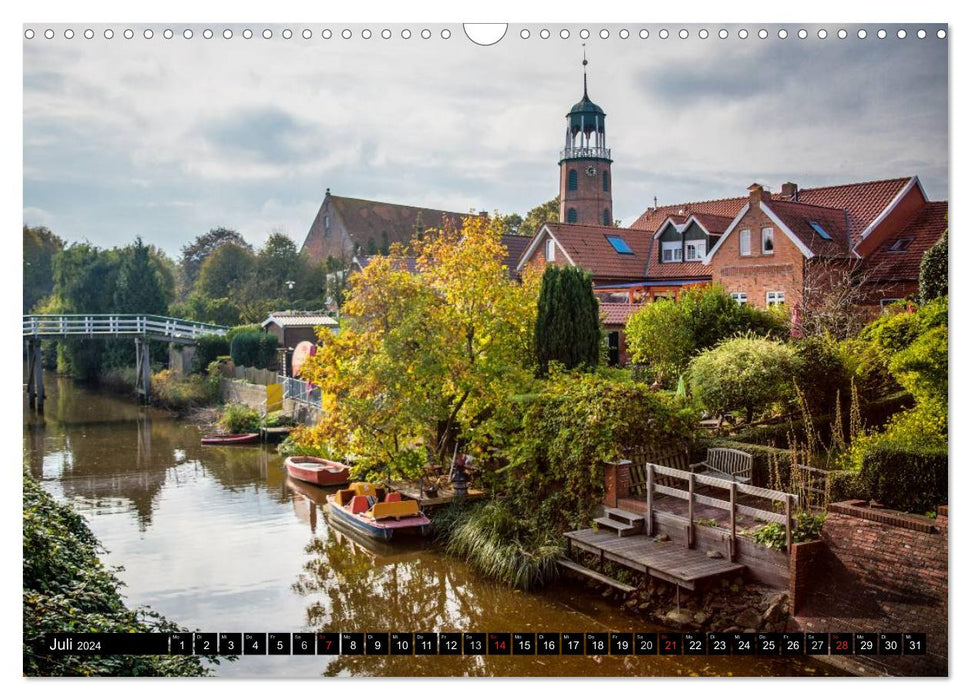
{"x":616,"y":313}
{"x":365,"y":219}
{"x":863,"y":202}
{"x":589,"y":248}
{"x":516,"y":246}
{"x":925,"y":228}
{"x":713,"y":223}
{"x":797,"y":218}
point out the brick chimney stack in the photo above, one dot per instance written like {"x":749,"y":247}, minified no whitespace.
{"x":755,"y":193}
{"x":791,"y":190}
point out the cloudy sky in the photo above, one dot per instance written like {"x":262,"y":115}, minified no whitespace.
{"x":167,"y":138}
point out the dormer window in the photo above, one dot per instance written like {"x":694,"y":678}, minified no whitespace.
{"x":900,"y":245}
{"x":671,"y":251}
{"x":694,"y":250}
{"x":550,"y":249}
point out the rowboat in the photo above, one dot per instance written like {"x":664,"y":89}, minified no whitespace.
{"x":231,"y":439}
{"x":315,"y":470}
{"x":374,"y":511}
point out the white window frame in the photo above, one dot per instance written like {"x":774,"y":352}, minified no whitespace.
{"x":672,"y":247}
{"x":775,"y":298}
{"x":768,"y":236}
{"x":745,"y":242}
{"x":550,"y":250}
{"x":699,"y":248}
{"x":741,"y":298}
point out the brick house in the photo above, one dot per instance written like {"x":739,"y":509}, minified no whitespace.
{"x":345,"y":227}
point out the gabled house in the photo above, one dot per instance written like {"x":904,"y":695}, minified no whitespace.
{"x":345,"y":227}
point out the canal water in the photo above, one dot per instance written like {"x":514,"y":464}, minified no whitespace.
{"x":220,"y":540}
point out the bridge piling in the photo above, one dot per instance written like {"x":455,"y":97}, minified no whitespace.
{"x":143,"y":369}
{"x":35,"y":375}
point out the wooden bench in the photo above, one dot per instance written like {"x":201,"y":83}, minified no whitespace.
{"x":676,"y":459}
{"x":726,"y":463}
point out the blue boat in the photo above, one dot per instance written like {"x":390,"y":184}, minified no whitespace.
{"x":376,"y":512}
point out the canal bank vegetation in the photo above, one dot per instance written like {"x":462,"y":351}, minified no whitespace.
{"x":66,"y":588}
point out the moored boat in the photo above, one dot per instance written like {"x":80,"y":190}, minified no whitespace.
{"x":376,"y":512}
{"x":231,"y":439}
{"x":316,"y":470}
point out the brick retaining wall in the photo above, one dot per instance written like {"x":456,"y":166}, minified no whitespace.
{"x":876,"y":570}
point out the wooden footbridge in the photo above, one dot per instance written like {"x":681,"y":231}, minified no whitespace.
{"x":660,"y":536}
{"x":139,"y":327}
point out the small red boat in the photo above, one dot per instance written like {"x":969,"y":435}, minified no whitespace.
{"x":315,"y":470}
{"x":231,"y":439}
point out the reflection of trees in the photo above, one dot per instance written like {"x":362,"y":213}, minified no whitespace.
{"x":124,"y":453}
{"x":382,"y":588}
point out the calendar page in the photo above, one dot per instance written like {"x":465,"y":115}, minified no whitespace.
{"x":547,"y":349}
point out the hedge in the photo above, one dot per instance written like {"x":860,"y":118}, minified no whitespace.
{"x":909,"y":480}
{"x":208,"y":349}
{"x":254,"y":349}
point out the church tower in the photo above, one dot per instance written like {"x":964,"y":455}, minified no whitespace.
{"x":585,"y":182}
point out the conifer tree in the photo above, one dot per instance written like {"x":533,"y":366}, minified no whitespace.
{"x":568,"y":320}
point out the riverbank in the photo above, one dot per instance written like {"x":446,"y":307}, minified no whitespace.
{"x":67,"y":587}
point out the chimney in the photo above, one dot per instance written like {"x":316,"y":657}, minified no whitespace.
{"x":791,"y":190}
{"x":755,"y":193}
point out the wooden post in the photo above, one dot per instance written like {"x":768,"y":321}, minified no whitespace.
{"x":732,"y":489}
{"x":788,"y":523}
{"x":650,"y":500}
{"x":691,"y":510}
{"x":38,"y":376}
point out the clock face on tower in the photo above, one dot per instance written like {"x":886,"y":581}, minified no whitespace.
{"x":591,"y":171}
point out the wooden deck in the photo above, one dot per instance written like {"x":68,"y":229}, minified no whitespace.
{"x":665,"y":560}
{"x":411,"y":489}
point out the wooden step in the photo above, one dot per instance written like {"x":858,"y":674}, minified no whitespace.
{"x":595,"y":575}
{"x":624,"y":516}
{"x":622,"y":529}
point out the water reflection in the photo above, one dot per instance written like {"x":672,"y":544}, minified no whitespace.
{"x":219,"y":539}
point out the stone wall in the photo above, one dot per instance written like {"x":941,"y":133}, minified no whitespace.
{"x":236,"y":391}
{"x":877,"y":570}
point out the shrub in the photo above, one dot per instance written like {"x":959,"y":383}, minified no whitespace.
{"x":575,"y":423}
{"x":806,"y":529}
{"x":921,"y":368}
{"x":821,"y":374}
{"x":911,"y":480}
{"x":208,"y":349}
{"x":239,"y":418}
{"x":254,"y":349}
{"x":665,"y":334}
{"x":171,"y":390}
{"x":67,"y":588}
{"x":844,"y":485}
{"x":933,"y":271}
{"x":568,"y":320}
{"x":748,"y":374}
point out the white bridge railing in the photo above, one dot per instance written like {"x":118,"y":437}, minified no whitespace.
{"x":127,"y":325}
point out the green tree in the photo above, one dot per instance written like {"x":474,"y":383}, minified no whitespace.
{"x":746,"y":373}
{"x":568,"y":327}
{"x":138,"y":286}
{"x":539,"y":215}
{"x":196,"y":253}
{"x":40,"y":248}
{"x":276,"y":264}
{"x":665,"y":334}
{"x":230,"y":265}
{"x":933,"y":271}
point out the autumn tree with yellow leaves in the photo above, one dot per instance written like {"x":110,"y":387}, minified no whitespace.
{"x":424,"y":358}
